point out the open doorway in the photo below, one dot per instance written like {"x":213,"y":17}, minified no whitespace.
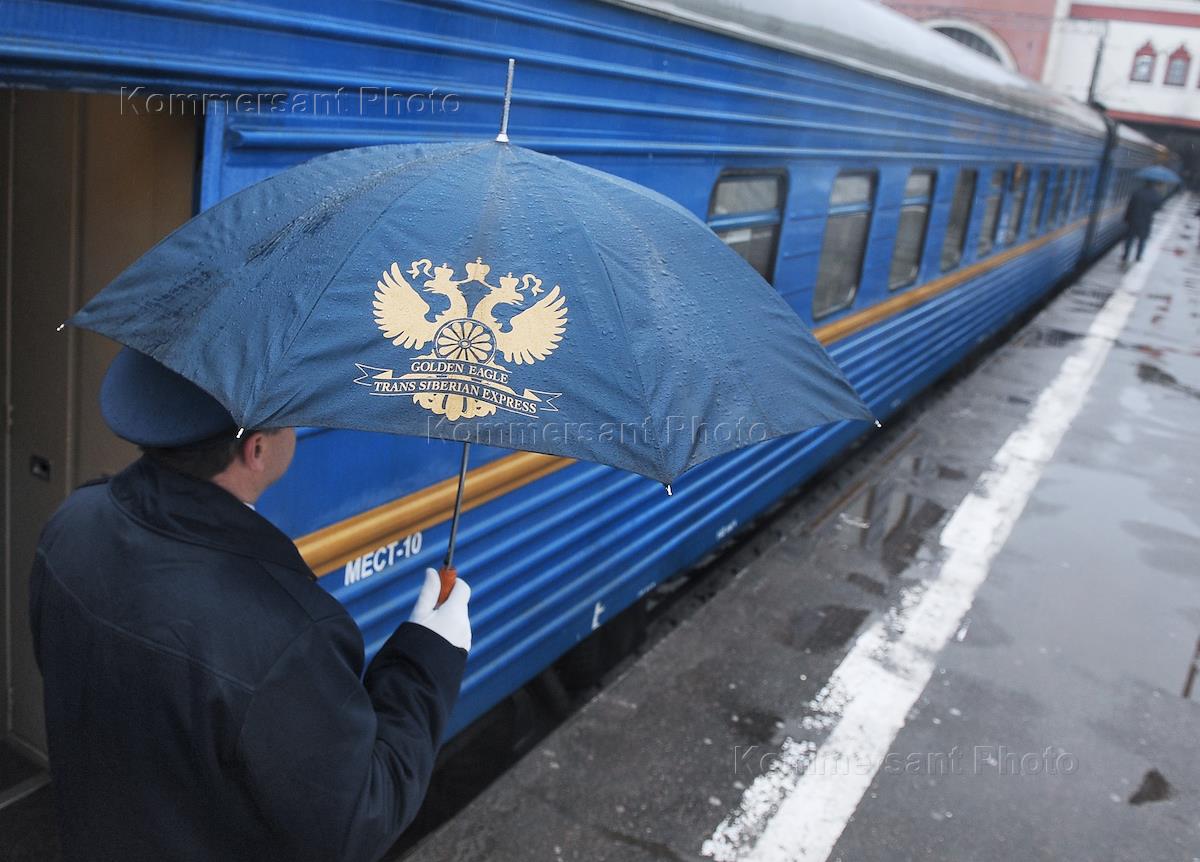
{"x":84,"y":189}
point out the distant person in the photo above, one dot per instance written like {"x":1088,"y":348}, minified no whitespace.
{"x":205,"y":697}
{"x":1139,"y":216}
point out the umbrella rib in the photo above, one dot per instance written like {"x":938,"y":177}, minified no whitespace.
{"x":684,"y":215}
{"x":658,"y":449}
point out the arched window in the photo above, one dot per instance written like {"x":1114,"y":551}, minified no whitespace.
{"x":1143,"y":64}
{"x":1177,"y":67}
{"x":971,"y":40}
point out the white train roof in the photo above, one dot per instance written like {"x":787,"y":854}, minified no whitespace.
{"x":868,"y":36}
{"x":1134,"y":136}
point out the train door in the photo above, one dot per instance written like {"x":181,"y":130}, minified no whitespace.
{"x":87,"y":187}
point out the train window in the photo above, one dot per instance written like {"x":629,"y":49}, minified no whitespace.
{"x":1069,"y":195}
{"x":844,"y":247}
{"x":991,"y":213}
{"x":1039,"y":198}
{"x":1068,"y":192}
{"x":1069,"y":181}
{"x":1056,"y":189}
{"x":960,"y":218}
{"x":746,"y":211}
{"x":910,"y":232}
{"x":1081,"y":190}
{"x":1020,"y":190}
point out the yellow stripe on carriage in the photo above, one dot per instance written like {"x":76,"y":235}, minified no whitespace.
{"x":330,"y":548}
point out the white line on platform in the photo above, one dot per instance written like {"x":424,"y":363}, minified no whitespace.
{"x":798,"y":808}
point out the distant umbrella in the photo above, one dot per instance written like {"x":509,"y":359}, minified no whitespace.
{"x":1159,"y":174}
{"x":477,"y":292}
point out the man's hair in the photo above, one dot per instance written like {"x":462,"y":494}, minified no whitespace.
{"x":204,"y":459}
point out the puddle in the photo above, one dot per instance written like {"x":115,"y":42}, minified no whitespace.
{"x":824,"y":628}
{"x":754,"y":725}
{"x":890,"y":521}
{"x":1154,"y":788}
{"x":1088,"y":300}
{"x":902,"y":542}
{"x":1148,"y":373}
{"x":1189,"y":682}
{"x":867,"y":583}
{"x":1043,"y":336}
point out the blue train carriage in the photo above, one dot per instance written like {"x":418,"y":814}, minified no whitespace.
{"x":1131,"y":151}
{"x":906,"y":196}
{"x":905,"y":211}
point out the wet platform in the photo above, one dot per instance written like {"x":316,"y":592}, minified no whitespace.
{"x":976,"y":641}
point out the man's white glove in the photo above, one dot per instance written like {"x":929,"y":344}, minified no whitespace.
{"x":450,"y":620}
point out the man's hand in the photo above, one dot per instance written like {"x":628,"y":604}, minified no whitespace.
{"x":450,"y":619}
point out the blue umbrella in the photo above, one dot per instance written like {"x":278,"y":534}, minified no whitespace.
{"x":478,"y":292}
{"x":1159,"y":174}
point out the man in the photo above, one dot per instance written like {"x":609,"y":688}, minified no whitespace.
{"x":1139,"y":215}
{"x":203,"y":693}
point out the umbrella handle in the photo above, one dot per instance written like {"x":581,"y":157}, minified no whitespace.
{"x":448,"y":574}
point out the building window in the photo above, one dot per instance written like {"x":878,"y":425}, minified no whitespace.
{"x":910,"y":232}
{"x":746,"y":211}
{"x":1177,"y":67}
{"x":991,"y":213}
{"x":1020,"y":190}
{"x":845,"y":243}
{"x":971,"y":40}
{"x":1143,"y":64}
{"x":960,"y":219}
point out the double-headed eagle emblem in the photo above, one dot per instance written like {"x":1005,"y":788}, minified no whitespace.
{"x":461,"y":376}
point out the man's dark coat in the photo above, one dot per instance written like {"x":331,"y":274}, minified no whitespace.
{"x":1139,"y":212}
{"x":203,"y":693}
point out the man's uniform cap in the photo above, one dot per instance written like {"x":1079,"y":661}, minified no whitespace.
{"x":147,"y":403}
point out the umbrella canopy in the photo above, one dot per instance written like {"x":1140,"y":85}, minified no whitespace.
{"x":1159,"y":174}
{"x":477,"y":292}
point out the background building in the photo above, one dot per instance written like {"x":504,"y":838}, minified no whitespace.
{"x":1140,"y":59}
{"x":1144,"y":56}
{"x":1015,"y":33}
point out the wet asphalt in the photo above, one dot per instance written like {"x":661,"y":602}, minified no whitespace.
{"x":1058,"y":722}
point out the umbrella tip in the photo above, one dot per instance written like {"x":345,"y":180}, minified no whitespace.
{"x":668,"y":487}
{"x":240,"y":432}
{"x":878,"y":424}
{"x":60,"y":327}
{"x":502,"y":138}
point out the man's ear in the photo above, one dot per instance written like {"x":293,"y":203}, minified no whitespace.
{"x":251,"y":451}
